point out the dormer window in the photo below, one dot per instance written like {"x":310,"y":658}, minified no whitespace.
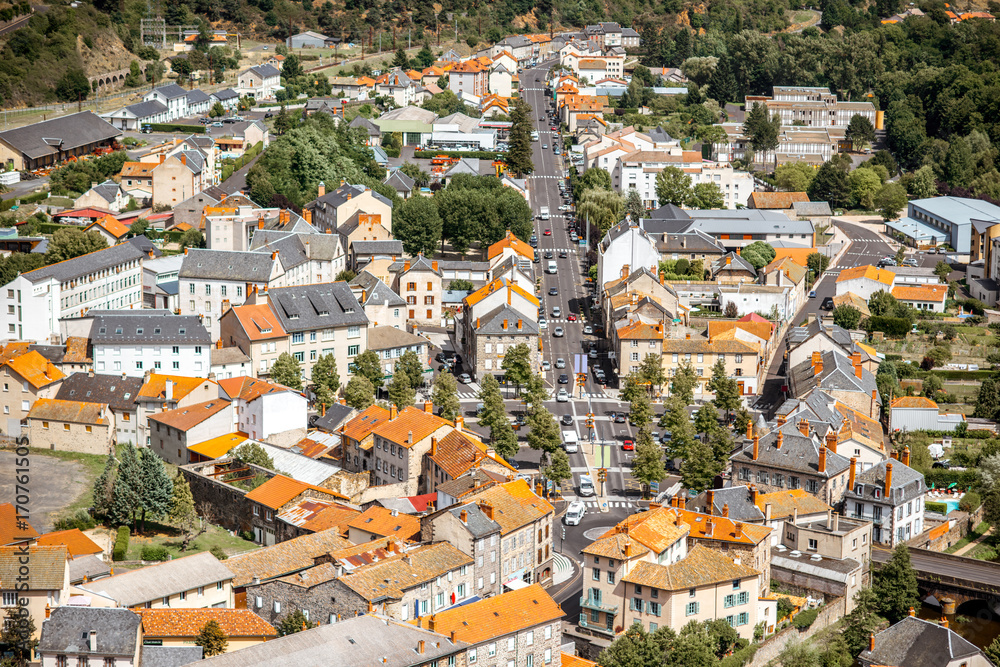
{"x":138,"y":332}
{"x":156,"y":330}
{"x":103,"y":330}
{"x":182,"y":331}
{"x":878,"y":493}
{"x":118,"y":331}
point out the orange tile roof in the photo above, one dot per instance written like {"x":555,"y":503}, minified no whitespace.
{"x":798,"y":255}
{"x":913,"y":402}
{"x":410,"y":421}
{"x":190,"y":416}
{"x":496,"y":285}
{"x":723,"y":529}
{"x":234,"y":623}
{"x":456,"y":453}
{"x":249,"y":389}
{"x":138,"y":169}
{"x":382,"y":522}
{"x":12,"y":532}
{"x":512,"y":242}
{"x":701,"y":567}
{"x":641,"y":331}
{"x":468,"y":67}
{"x":334,"y":516}
{"x":280,"y":490}
{"x":792,"y":269}
{"x":36,"y":369}
{"x":576,"y":661}
{"x":110,"y":225}
{"x":497,"y":616}
{"x":76,"y":543}
{"x":656,"y":529}
{"x":218,"y":447}
{"x":363,"y":424}
{"x":76,"y":412}
{"x":759,"y":329}
{"x":156,"y":386}
{"x":870,"y":272}
{"x":514,"y":504}
{"x":284,"y":557}
{"x":775,"y":200}
{"x":13,"y":350}
{"x":785,"y":503}
{"x":932,"y":293}
{"x":259,"y":322}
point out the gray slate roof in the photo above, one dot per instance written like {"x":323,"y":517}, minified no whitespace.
{"x":336,"y":415}
{"x":361,"y":641}
{"x":265,"y":71}
{"x":907,"y":484}
{"x":694,"y":241}
{"x":86,"y":264}
{"x":66,"y":133}
{"x":146,"y":109}
{"x":736,"y":263}
{"x":838,"y":375}
{"x":399,"y":181}
{"x":798,"y":453}
{"x":318,"y":306}
{"x":386,"y":247}
{"x":227,"y":94}
{"x":340,"y":195}
{"x":169,"y":656}
{"x":418,"y":263}
{"x":147,"y":327}
{"x":89,"y":566}
{"x":158,"y":581}
{"x":117,"y":391}
{"x":492,"y":322}
{"x":197,"y":96}
{"x":231,"y":265}
{"x":476,"y":521}
{"x":916,"y":642}
{"x":377,"y":292}
{"x":108,"y":190}
{"x":68,"y":629}
{"x":741,"y":507}
{"x":170,"y":91}
{"x":811,"y":208}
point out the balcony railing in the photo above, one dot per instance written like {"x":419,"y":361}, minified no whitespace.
{"x":877,"y":520}
{"x":588,"y":602}
{"x":588,"y":624}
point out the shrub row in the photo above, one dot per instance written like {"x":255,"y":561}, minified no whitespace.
{"x":8,"y":204}
{"x":121,"y":544}
{"x":978,"y":434}
{"x":963,"y":375}
{"x":154,"y":552}
{"x":940,"y":508}
{"x":941,"y":478}
{"x":805,"y":618}
{"x":177,"y":127}
{"x":482,"y":155}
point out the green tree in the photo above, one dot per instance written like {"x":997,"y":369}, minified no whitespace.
{"x":601,"y":207}
{"x":103,"y":493}
{"x":594,"y":178}
{"x":932,"y":385}
{"x":794,"y":176}
{"x":700,"y":467}
{"x":287,"y":371}
{"x":640,"y":412}
{"x":251,"y":453}
{"x":417,"y":223}
{"x":683,"y":383}
{"x":283,"y":122}
{"x":895,"y":585}
{"x":401,"y":59}
{"x":139,"y":227}
{"x":401,"y":393}
{"x":324,"y":373}
{"x":461,"y":285}
{"x":762,"y":130}
{"x":633,"y":207}
{"x":993,"y":651}
{"x":922,"y":183}
{"x":759,"y":253}
{"x":505,"y":440}
{"x":217,"y":110}
{"x":291,"y":67}
{"x":494,"y":413}
{"x":16,"y":632}
{"x":126,"y":496}
{"x":846,"y":316}
{"x":410,"y":365}
{"x":942,"y":270}
{"x":647,"y":467}
{"x":156,"y":494}
{"x":860,"y":132}
{"x":368,"y":366}
{"x":181,"y":501}
{"x":799,"y":654}
{"x":881,"y":303}
{"x":211,"y":639}
{"x":517,"y":365}
{"x":558,"y":471}
{"x":294,"y":622}
{"x":831,"y":185}
{"x":959,"y":168}
{"x":73,"y":86}
{"x":890,"y":200}
{"x":706,"y":419}
{"x":420,"y":177}
{"x":651,"y":370}
{"x":543,"y":431}
{"x":817,"y":263}
{"x":722,"y":86}
{"x":70,"y":242}
{"x":862,"y":621}
{"x":865,"y":184}
{"x":673,"y":186}
{"x":518,"y":156}
{"x":359,"y":392}
{"x":192,"y":238}
{"x":445,"y":396}
{"x":706,"y":196}
{"x":535,"y":393}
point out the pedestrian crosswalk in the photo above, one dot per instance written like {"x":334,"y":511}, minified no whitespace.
{"x":593,"y":504}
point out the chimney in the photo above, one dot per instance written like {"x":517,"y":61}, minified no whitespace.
{"x":429,"y":407}
{"x":767,"y":512}
{"x":738,"y":529}
{"x":625,"y":271}
{"x":894,"y":455}
{"x":781,"y":438}
{"x":274,"y":255}
{"x":350,"y":195}
{"x":756,"y":449}
{"x":90,"y":372}
{"x":944,"y":624}
{"x":725,"y":510}
{"x":307,"y":214}
{"x":434,"y":445}
{"x":460,"y":422}
{"x":888,"y":479}
{"x":836,"y":521}
{"x":464,"y":516}
{"x":857,"y":365}
{"x":322,"y":409}
{"x":687,"y":336}
{"x":406,"y":266}
{"x":829,"y":519}
{"x":93,"y":641}
{"x":709,"y":526}
{"x":871,"y":640}
{"x":753,"y":494}
{"x":663,"y":277}
{"x":321,"y":190}
{"x":453,"y":639}
{"x":434,"y":265}
{"x":804,"y":427}
{"x":781,"y":420}
{"x":749,"y":429}
{"x":487,"y":509}
{"x":628,"y":548}
{"x":184,"y":159}
{"x":168,"y":390}
{"x":822,"y":459}
{"x":850,"y":476}
{"x":393,"y":413}
{"x":710,"y":502}
{"x":906,"y":456}
{"x":831,"y":441}
{"x":817,"y":358}
{"x":162,"y":158}
{"x":409,"y":437}
{"x":420,"y":644}
{"x":729,"y":260}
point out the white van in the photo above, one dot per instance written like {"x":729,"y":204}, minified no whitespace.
{"x":571,"y":442}
{"x":574,"y":513}
{"x":586,"y":485}
{"x":551,"y":268}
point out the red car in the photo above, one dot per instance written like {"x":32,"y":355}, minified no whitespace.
{"x":571,"y":317}
{"x":547,"y":232}
{"x":628,"y":446}
{"x":554,"y":128}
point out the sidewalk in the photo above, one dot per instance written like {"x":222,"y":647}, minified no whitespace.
{"x":971,"y":545}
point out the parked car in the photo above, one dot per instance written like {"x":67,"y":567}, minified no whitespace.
{"x":812,"y":294}
{"x":587,"y":329}
{"x":628,"y":446}
{"x":558,"y":333}
{"x":566,"y":420}
{"x":546,"y":366}
{"x":827,"y":303}
{"x":465,"y":378}
{"x":560,"y":363}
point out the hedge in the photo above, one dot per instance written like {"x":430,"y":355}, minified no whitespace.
{"x":391,"y":152}
{"x":978,"y":434}
{"x":941,"y":478}
{"x":970,"y":502}
{"x":896,"y":327}
{"x":805,"y":618}
{"x":121,"y":544}
{"x":963,"y":375}
{"x":482,"y":155}
{"x":241,"y":161}
{"x":154,"y":552}
{"x":8,"y":204}
{"x":176,"y":127}
{"x":940,"y":508}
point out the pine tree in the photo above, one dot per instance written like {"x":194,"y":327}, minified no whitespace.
{"x":287,"y":371}
{"x":722,"y":86}
{"x":862,"y":621}
{"x":359,"y":393}
{"x":104,"y":487}
{"x":895,"y":585}
{"x":156,"y":496}
{"x":211,"y":639}
{"x":640,"y":412}
{"x":647,"y":467}
{"x":126,"y":500}
{"x":324,"y":373}
{"x":181,"y":501}
{"x":445,"y":396}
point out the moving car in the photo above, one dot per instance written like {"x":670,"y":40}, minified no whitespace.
{"x":465,"y":378}
{"x":566,"y":420}
{"x":547,"y":232}
{"x":546,"y":366}
{"x":628,"y":446}
{"x":571,"y":317}
{"x":619,"y":417}
{"x":560,"y":363}
{"x":575,"y":512}
{"x":562,"y":396}
{"x":563,"y":378}
{"x":556,"y":312}
{"x":586,"y":485}
{"x":587,"y":329}
{"x":558,"y":333}
{"x":553,"y":291}
{"x":548,"y":255}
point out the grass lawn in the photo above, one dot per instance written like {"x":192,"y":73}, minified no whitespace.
{"x":170,"y":537}
{"x":976,"y":532}
{"x":92,"y":467}
{"x":65,"y":202}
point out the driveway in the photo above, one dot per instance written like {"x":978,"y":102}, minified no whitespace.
{"x":53,"y":485}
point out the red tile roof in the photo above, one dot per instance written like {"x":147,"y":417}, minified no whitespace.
{"x":76,"y":543}
{"x":12,"y":531}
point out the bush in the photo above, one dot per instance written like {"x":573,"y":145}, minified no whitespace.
{"x":894,"y":327}
{"x":482,"y":155}
{"x":81,"y":520}
{"x":940,"y":508}
{"x":120,"y":550}
{"x":218,"y":552}
{"x":805,"y":618}
{"x":177,"y":127}
{"x":970,"y":502}
{"x":941,"y":478}
{"x":154,"y":552}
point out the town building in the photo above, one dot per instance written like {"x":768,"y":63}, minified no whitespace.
{"x":133,"y":116}
{"x":47,"y":585}
{"x":180,"y":627}
{"x":196,"y":581}
{"x":172,"y":432}
{"x":266,"y":411}
{"x":917,"y":642}
{"x":260,"y":82}
{"x":331,"y":210}
{"x":943,"y":221}
{"x":107,"y":195}
{"x":86,"y":635}
{"x":178,"y":176}
{"x":161,"y":392}
{"x":891,"y":496}
{"x":841,"y":377}
{"x":71,"y":426}
{"x":133,"y":342}
{"x":27,"y":377}
{"x":917,"y":413}
{"x":173,"y":97}
{"x":400,"y":445}
{"x":52,"y":141}
{"x":471,"y":528}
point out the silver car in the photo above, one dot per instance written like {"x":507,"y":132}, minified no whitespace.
{"x":558,"y":332}
{"x":562,"y":396}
